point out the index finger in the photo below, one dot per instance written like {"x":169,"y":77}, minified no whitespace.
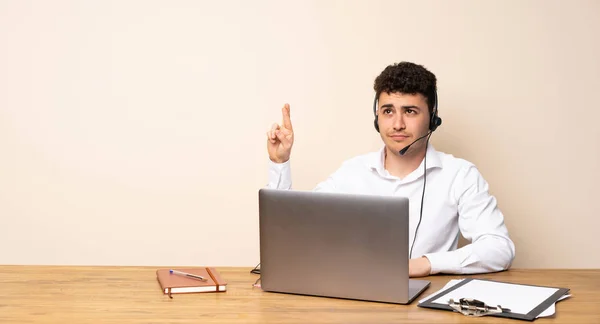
{"x":287,"y":122}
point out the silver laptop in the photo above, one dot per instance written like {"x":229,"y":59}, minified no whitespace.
{"x":336,"y":245}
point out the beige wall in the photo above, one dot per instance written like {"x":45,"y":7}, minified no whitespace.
{"x":133,"y":132}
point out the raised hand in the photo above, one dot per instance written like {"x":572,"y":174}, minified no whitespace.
{"x":280,"y":138}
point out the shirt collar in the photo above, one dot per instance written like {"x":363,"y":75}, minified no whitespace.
{"x":377,"y":161}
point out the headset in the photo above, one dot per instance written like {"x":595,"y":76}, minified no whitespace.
{"x":434,"y":122}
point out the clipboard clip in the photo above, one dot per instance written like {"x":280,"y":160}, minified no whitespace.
{"x":474,"y":307}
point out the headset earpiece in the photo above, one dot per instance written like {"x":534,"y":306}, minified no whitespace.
{"x":375,"y":113}
{"x":435,"y":121}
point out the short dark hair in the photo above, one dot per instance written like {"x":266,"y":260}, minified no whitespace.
{"x":409,"y":78}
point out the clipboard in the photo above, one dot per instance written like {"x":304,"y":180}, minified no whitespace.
{"x":522,"y":302}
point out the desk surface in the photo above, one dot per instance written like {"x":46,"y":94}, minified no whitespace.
{"x":72,"y":294}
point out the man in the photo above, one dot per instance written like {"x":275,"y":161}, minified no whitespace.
{"x":450,"y":196}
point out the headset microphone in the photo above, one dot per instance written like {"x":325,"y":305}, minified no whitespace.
{"x":403,"y":151}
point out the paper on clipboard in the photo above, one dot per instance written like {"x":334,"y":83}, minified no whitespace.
{"x":530,"y":296}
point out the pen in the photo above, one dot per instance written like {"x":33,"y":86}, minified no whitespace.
{"x":189,"y":275}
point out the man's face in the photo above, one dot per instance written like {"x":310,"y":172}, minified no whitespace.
{"x":403,"y":118}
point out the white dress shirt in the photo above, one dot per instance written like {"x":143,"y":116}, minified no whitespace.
{"x":456,"y":198}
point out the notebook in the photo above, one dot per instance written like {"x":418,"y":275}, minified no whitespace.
{"x":172,"y":283}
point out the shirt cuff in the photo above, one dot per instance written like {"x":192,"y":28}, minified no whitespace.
{"x":445,"y":262}
{"x":280,"y":175}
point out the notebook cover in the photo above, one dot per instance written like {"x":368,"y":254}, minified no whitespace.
{"x":172,"y":283}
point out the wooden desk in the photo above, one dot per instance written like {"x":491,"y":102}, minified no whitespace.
{"x":68,"y":294}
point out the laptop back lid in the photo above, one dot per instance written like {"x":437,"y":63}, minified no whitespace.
{"x":334,"y":245}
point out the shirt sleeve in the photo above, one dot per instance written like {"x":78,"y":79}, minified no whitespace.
{"x":482,"y":223}
{"x":279,"y":175}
